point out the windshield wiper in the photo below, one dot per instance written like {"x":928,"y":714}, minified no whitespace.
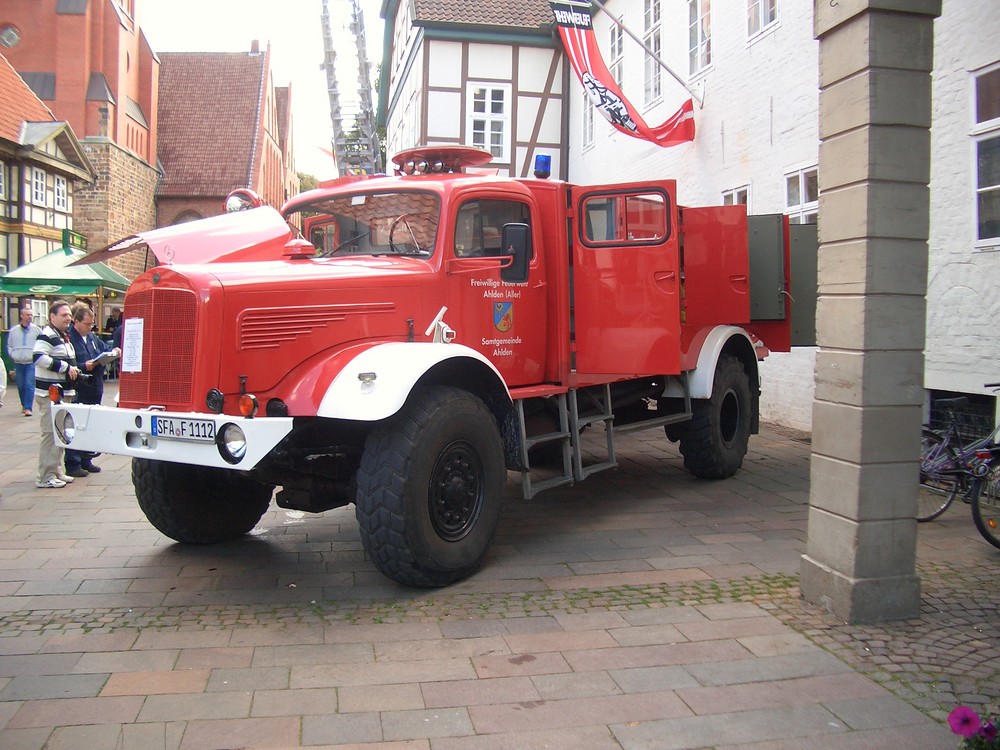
{"x":345,"y":243}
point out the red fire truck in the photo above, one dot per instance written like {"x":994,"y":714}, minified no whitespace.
{"x":403,"y":342}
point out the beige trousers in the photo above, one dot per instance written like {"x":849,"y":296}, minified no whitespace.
{"x":50,"y":455}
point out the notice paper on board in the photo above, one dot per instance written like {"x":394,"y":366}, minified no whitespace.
{"x":132,"y":345}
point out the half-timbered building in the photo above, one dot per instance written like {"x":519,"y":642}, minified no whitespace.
{"x":478,"y":74}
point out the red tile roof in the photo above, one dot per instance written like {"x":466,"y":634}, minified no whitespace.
{"x":209,"y":120}
{"x":18,"y":104}
{"x":525,"y":14}
{"x":282,"y":95}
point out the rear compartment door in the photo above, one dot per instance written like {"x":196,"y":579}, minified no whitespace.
{"x":625,"y":280}
{"x":716,"y":266}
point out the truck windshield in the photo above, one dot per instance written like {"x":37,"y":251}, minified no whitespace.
{"x":388,"y":223}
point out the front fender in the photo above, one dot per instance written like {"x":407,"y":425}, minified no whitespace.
{"x":702,"y":377}
{"x":375,"y":383}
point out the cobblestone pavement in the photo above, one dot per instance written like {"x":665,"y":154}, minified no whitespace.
{"x":639,"y":609}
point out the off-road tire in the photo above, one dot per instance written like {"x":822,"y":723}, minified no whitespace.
{"x":430,"y":487}
{"x":715,"y":441}
{"x":198,"y":504}
{"x":986,"y":513}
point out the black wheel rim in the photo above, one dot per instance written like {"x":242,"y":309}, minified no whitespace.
{"x":455,"y":494}
{"x":729,"y":417}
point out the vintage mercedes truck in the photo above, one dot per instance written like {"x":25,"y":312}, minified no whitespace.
{"x":403,"y":342}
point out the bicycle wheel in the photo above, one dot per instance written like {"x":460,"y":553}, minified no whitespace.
{"x":938,"y":487}
{"x":986,"y":512}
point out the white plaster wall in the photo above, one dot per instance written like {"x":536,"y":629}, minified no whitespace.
{"x":491,"y":62}
{"x":787,"y":388}
{"x":963,"y":302}
{"x":758,"y":120}
{"x":444,"y":108}
{"x":446,"y":64}
{"x":444,"y":116}
{"x":533,"y":65}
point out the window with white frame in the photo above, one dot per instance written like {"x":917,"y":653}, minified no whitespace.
{"x":699,"y":35}
{"x":739,"y":196}
{"x":40,"y":308}
{"x":802,"y":196}
{"x":401,"y":36}
{"x":588,"y":120}
{"x":760,"y":15}
{"x":616,"y":55}
{"x":60,"y":194}
{"x":489,"y":118}
{"x":651,"y":82}
{"x":38,"y":186}
{"x":3,"y":179}
{"x":986,"y":135}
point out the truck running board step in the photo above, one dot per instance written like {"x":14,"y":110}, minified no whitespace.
{"x":578,"y":423}
{"x":571,"y":424}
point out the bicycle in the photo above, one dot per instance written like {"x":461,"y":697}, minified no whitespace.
{"x":945,"y":470}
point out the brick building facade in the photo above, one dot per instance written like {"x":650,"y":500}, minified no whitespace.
{"x":245,"y":144}
{"x":118,"y":204}
{"x":90,"y":63}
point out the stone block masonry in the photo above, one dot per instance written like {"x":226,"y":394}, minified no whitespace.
{"x":122,"y":201}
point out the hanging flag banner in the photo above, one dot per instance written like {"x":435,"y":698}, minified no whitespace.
{"x":575,"y":21}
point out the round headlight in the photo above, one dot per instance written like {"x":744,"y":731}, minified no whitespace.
{"x":65,"y":426}
{"x":232,"y":443}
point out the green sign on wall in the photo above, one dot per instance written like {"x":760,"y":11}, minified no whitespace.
{"x":73,"y":239}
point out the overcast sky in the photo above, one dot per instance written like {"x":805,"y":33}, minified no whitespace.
{"x":295,"y":32}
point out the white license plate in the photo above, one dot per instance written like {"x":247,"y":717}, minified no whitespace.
{"x":174,"y":428}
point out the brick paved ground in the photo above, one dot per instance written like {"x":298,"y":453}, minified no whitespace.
{"x":640,"y":609}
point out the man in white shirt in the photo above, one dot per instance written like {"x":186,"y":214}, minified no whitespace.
{"x":20,"y":348}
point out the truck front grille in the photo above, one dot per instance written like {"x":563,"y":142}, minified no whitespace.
{"x":168,"y":337}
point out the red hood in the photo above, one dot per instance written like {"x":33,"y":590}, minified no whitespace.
{"x":258,"y":234}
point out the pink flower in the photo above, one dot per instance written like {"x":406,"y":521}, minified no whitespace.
{"x":989,"y":731}
{"x":964,"y":721}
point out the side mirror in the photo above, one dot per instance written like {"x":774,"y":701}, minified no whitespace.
{"x":241,"y":199}
{"x":516,"y":243}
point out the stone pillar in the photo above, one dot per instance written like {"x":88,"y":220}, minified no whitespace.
{"x":875,"y":59}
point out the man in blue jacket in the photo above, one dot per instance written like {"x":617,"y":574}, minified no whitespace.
{"x":89,"y":390}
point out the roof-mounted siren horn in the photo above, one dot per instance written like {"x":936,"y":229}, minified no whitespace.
{"x":439,"y":159}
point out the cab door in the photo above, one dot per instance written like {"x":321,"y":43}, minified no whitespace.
{"x":626,"y":286}
{"x":505,"y":321}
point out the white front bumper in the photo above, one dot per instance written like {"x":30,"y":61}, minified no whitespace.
{"x":128,"y":432}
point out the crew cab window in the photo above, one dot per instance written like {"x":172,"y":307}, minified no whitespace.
{"x":624,"y":218}
{"x":389,"y":223}
{"x":480,"y":224}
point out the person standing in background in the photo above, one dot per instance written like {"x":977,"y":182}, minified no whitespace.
{"x":55,"y":364}
{"x":88,"y":348}
{"x":20,"y":347}
{"x":116,"y":336}
{"x":114,"y":320}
